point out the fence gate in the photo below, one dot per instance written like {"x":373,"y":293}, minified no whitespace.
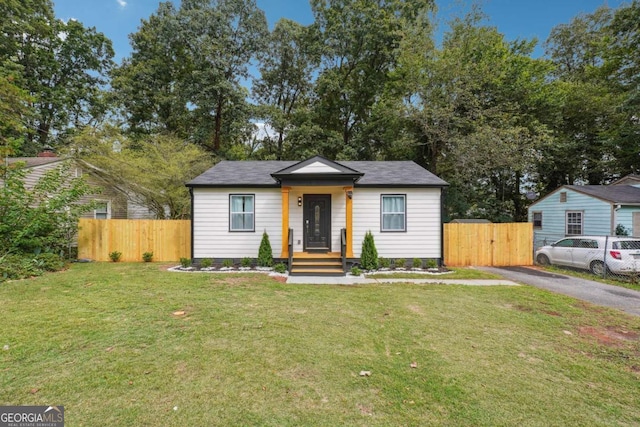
{"x":498,"y":245}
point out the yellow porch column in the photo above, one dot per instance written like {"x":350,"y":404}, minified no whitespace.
{"x":348,"y":192}
{"x":285,"y":222}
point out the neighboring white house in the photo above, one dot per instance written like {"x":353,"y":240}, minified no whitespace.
{"x":596,"y":210}
{"x":316,"y":206}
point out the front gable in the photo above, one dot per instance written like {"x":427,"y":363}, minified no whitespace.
{"x":317,"y":171}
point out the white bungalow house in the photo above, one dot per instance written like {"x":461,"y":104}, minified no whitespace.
{"x":316,"y":212}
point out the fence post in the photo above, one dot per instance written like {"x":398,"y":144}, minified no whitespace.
{"x":604,"y":269}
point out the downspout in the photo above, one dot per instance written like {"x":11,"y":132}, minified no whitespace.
{"x":614,"y":219}
{"x":192,"y":221}
{"x":442,"y":194}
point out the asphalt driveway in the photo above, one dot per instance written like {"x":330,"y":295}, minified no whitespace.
{"x":623,"y":299}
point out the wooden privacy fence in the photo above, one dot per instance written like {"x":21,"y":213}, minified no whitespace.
{"x":169,"y":240}
{"x":488,"y":244}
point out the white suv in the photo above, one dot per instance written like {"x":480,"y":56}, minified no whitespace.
{"x":621,"y":256}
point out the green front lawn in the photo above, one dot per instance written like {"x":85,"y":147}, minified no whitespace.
{"x":130,"y":344}
{"x":456,"y":273}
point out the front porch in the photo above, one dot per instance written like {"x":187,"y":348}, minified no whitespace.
{"x":317,"y":229}
{"x":317,"y":216}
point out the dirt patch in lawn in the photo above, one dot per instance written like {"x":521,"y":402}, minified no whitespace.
{"x":609,"y":336}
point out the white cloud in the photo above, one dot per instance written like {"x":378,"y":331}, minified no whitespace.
{"x":122,"y":3}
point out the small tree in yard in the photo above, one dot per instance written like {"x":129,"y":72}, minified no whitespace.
{"x":265,"y":255}
{"x":43,"y":218}
{"x":369,"y":256}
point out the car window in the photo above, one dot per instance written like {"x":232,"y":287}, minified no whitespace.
{"x":588,"y":243}
{"x":626,"y":244}
{"x":565,"y":243}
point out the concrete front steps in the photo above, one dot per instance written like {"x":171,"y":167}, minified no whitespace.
{"x":316,"y":264}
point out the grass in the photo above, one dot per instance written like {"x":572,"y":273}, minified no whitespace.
{"x":457,"y":273}
{"x":129,"y":344}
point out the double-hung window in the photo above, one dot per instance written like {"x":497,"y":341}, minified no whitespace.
{"x":393,"y":212}
{"x":537,"y":220}
{"x":101,"y":211}
{"x":241,"y":212}
{"x":574,"y":223}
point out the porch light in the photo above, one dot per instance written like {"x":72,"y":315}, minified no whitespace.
{"x":350,"y":194}
{"x":299,"y":201}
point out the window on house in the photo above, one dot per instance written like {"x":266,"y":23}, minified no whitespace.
{"x":537,"y":220}
{"x":241,"y":212}
{"x":101,"y":211}
{"x":574,"y":223}
{"x":393,"y":212}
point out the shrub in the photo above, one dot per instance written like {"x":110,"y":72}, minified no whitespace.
{"x":185,"y":262}
{"x":417,"y":263}
{"x":280,"y":268}
{"x":355,"y":271}
{"x":246,"y":262}
{"x":432,"y":263}
{"x":206,"y":263}
{"x":48,"y":261}
{"x":384,"y":262}
{"x":265,"y":255}
{"x":18,"y":267}
{"x":621,"y":230}
{"x":43,"y":218}
{"x":369,"y":256}
{"x":115,"y":256}
{"x":147,"y":256}
{"x":227,"y":263}
{"x":400,"y":263}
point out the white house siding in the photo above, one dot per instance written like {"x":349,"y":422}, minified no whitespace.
{"x":597,"y":215}
{"x":423,"y":223}
{"x":338,"y":214}
{"x":211,"y":235}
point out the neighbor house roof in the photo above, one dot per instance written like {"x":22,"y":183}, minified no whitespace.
{"x":34,"y":161}
{"x":622,"y":194}
{"x":259,"y":174}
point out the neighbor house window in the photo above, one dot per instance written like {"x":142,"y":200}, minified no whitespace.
{"x":241,"y":212}
{"x":537,"y":220}
{"x":394,"y":212}
{"x":102,"y":211}
{"x":574,"y":223}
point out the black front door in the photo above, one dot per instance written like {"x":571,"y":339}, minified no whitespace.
{"x":317,"y":222}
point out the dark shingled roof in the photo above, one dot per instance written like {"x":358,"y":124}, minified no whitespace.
{"x":258,"y":174}
{"x":611,"y":193}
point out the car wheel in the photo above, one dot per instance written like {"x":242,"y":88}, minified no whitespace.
{"x":597,"y":268}
{"x":543,"y":260}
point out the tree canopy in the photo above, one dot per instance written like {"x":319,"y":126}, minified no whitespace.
{"x":367,"y":80}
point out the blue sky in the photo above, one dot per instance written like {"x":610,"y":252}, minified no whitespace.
{"x":514,"y":18}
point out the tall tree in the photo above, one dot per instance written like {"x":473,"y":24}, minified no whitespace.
{"x":286,"y":67}
{"x":360,"y":41}
{"x":149,"y":84}
{"x":186,"y":71}
{"x":588,"y":109}
{"x":622,"y":65}
{"x":475,"y":105}
{"x":64,"y":68}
